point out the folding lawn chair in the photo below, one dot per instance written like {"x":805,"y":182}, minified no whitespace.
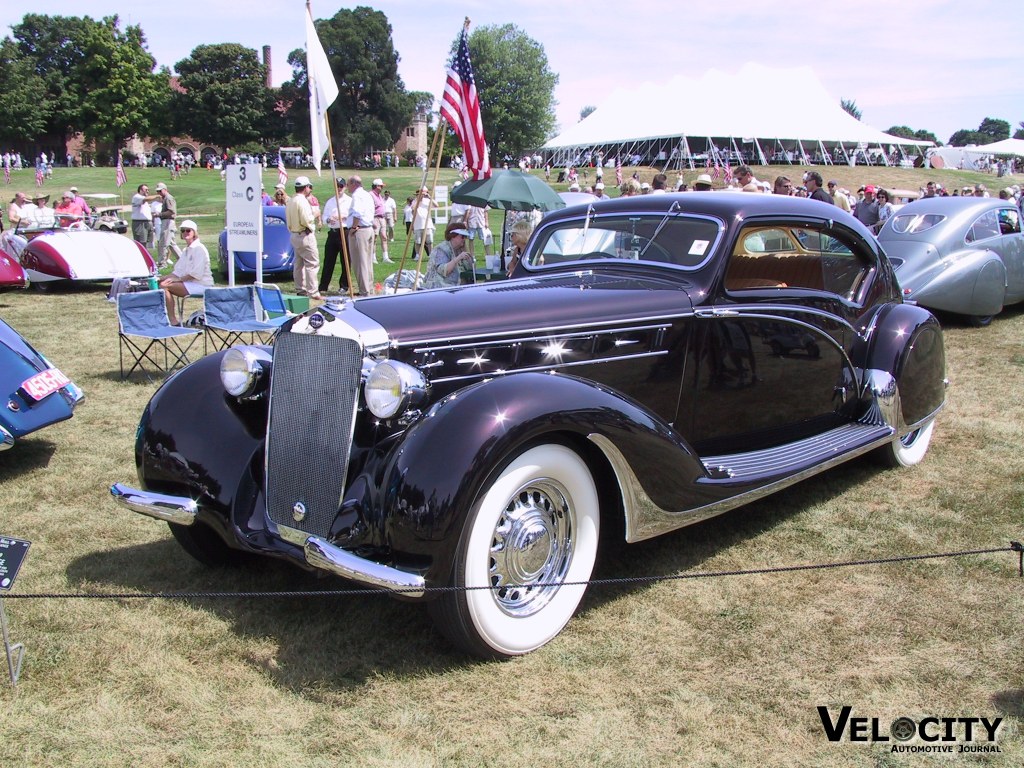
{"x":143,"y":315}
{"x":271,"y":298}
{"x":231,"y":314}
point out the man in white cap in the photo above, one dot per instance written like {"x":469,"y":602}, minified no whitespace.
{"x":599,"y":190}
{"x":168,"y":212}
{"x":301,"y":223}
{"x":81,"y":201}
{"x":380,"y":226}
{"x":191,"y":275}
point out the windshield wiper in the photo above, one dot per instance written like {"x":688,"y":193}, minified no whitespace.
{"x":672,"y":209}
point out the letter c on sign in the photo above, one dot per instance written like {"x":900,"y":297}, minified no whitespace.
{"x":249,"y":193}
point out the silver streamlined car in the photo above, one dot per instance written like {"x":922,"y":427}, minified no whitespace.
{"x":963,"y":255}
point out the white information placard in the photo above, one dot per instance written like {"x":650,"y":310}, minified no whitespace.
{"x":244,"y":207}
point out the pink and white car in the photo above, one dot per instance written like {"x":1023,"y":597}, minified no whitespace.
{"x":76,"y":255}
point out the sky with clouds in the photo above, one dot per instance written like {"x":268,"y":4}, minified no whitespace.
{"x":940,"y":65}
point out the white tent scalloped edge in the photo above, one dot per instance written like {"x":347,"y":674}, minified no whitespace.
{"x":758,"y":110}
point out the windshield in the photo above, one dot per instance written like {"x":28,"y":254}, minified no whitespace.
{"x":684,"y":241}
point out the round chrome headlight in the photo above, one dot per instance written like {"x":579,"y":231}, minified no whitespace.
{"x":392,"y":387}
{"x":241,"y":369}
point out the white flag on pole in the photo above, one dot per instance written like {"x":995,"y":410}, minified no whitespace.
{"x":323,"y":90}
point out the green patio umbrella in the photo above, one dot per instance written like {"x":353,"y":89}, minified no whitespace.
{"x":509,"y":191}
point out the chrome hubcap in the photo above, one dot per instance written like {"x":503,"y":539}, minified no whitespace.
{"x":531,"y":548}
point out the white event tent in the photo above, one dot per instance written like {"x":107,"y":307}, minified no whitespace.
{"x":1004,"y":147}
{"x":757,"y":115}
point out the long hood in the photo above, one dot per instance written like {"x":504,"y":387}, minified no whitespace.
{"x":509,"y":306}
{"x":85,"y":255}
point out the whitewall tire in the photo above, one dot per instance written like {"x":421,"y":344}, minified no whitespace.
{"x":531,"y":534}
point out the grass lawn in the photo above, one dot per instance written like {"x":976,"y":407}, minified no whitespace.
{"x":710,"y":672}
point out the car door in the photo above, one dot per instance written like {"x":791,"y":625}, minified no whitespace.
{"x":773,"y":347}
{"x":1009,"y":244}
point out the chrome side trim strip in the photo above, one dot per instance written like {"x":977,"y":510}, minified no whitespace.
{"x":546,"y":336}
{"x":556,"y":367}
{"x":530,"y":333}
{"x":324,"y":555}
{"x":6,"y":439}
{"x":645,"y":519}
{"x":173,"y":509}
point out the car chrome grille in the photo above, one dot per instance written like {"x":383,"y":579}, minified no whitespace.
{"x":314,"y":389}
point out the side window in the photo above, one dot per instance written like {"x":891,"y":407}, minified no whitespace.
{"x":1009,"y":221}
{"x":984,"y":227}
{"x":794,"y":257}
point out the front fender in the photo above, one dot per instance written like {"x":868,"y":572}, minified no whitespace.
{"x":195,"y":440}
{"x":447,"y":459}
{"x":906,"y":345}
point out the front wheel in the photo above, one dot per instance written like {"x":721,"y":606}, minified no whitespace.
{"x":531,"y":537}
{"x":908,"y":450}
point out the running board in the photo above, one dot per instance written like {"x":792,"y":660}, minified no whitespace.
{"x":814,"y":452}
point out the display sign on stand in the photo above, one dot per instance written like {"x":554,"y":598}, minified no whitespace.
{"x":244,"y":207}
{"x":12,"y":554}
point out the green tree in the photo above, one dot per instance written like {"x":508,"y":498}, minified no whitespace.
{"x":22,"y":97}
{"x":97,"y":79}
{"x":850,"y":106}
{"x":902,"y":131}
{"x":225,"y":100}
{"x":373,"y":107}
{"x":516,"y":88}
{"x":988,"y":131}
{"x":1019,"y":133}
{"x":587,"y":111}
{"x":909,"y":133}
{"x":55,"y":46}
{"x":124,"y":91}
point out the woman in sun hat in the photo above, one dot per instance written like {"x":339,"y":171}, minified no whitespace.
{"x":191,"y":275}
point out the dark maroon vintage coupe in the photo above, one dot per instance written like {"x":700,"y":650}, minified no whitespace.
{"x":654,"y":361}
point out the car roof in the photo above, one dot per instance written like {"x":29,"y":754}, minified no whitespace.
{"x":729,"y":206}
{"x":953,"y":205}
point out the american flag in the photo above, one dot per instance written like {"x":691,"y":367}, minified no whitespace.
{"x":460,"y":106}
{"x":282,"y":174}
{"x":728,"y":171}
{"x":618,"y":171}
{"x":715,"y":173}
{"x":121,"y":178}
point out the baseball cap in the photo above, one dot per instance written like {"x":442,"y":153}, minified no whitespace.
{"x":378,"y":182}
{"x":460,"y":231}
{"x":302,"y":181}
{"x":869,"y":190}
{"x":74,"y":189}
{"x":599,"y":185}
{"x":189,"y":224}
{"x":161,"y":187}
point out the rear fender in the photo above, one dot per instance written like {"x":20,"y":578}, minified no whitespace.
{"x":904,"y":374}
{"x":973,"y":283}
{"x":437,"y":472}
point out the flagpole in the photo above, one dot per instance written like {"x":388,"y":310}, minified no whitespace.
{"x":438,"y":134}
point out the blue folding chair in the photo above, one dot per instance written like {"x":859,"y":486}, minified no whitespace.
{"x":271,"y":298}
{"x":231,"y":314}
{"x":143,"y":315}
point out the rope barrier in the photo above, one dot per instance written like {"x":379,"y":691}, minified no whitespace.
{"x":1014,"y":546}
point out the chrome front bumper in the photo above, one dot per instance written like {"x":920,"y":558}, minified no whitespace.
{"x":318,"y":552}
